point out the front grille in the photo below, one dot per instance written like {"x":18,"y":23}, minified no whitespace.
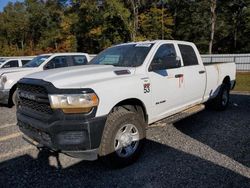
{"x":32,"y":89}
{"x":39,"y":107}
{"x":35,"y":98}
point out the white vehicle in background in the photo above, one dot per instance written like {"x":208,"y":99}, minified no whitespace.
{"x":14,"y":62}
{"x":103,"y":109}
{"x":9,"y":77}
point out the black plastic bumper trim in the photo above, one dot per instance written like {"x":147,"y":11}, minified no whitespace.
{"x":64,"y":135}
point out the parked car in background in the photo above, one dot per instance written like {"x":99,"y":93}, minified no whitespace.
{"x":15,"y":62}
{"x":9,"y":77}
{"x":103,"y":109}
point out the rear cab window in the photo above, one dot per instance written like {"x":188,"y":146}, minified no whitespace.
{"x":188,"y":55}
{"x":79,"y":60}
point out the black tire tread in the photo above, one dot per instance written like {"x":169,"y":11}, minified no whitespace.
{"x":105,"y":151}
{"x":216,"y":103}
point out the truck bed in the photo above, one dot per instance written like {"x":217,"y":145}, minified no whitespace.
{"x":216,"y":73}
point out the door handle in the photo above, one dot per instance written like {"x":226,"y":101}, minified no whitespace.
{"x":202,"y":72}
{"x":179,"y":75}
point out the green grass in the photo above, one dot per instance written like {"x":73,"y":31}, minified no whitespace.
{"x":242,"y":81}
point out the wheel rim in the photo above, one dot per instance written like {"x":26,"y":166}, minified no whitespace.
{"x":224,"y":98}
{"x":126,"y":140}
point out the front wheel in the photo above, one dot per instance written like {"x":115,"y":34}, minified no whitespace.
{"x":122,"y":139}
{"x":13,"y":100}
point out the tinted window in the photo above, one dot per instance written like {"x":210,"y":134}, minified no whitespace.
{"x":166,"y":55}
{"x":129,"y":55}
{"x":25,"y":62}
{"x":188,"y":55}
{"x":37,"y":61}
{"x":11,"y":64}
{"x":110,"y":59}
{"x":79,"y":60}
{"x":57,"y":62}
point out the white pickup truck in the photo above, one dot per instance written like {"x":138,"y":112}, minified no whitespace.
{"x":103,"y":109}
{"x":14,"y":62}
{"x":9,"y":77}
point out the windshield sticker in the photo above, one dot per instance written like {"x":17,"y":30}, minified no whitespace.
{"x":143,"y":45}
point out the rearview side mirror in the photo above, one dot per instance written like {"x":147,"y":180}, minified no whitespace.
{"x":49,"y":65}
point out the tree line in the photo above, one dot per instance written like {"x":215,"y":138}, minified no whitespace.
{"x":39,"y":26}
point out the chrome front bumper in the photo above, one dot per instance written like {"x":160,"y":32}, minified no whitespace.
{"x":4,"y":96}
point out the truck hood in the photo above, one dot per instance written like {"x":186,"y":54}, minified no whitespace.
{"x":81,"y":76}
{"x":12,"y":70}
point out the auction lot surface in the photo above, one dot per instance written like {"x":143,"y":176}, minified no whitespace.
{"x":209,"y":149}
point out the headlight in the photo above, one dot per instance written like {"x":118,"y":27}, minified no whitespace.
{"x":74,"y":103}
{"x":3,"y":80}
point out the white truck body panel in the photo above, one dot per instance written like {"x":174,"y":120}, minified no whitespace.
{"x":103,"y":108}
{"x":15,"y":74}
{"x":168,"y":94}
{"x":215,"y":74}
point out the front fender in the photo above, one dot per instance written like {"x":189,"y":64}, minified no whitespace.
{"x":113,"y":92}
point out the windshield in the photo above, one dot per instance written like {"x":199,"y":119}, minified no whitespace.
{"x":37,"y":61}
{"x":131,"y":55}
{"x":2,"y":61}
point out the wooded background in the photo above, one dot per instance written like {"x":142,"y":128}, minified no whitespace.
{"x":38,"y":26}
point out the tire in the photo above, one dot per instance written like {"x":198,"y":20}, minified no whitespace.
{"x":222,"y":99}
{"x":117,"y":147}
{"x":14,"y":98}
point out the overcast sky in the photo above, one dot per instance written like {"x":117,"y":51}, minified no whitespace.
{"x":3,"y":3}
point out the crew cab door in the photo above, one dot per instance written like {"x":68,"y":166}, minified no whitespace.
{"x":194,"y":75}
{"x":165,"y":74}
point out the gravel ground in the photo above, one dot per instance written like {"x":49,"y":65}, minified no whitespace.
{"x":7,"y":115}
{"x":209,"y":149}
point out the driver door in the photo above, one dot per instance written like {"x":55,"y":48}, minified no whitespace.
{"x":166,"y":81}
